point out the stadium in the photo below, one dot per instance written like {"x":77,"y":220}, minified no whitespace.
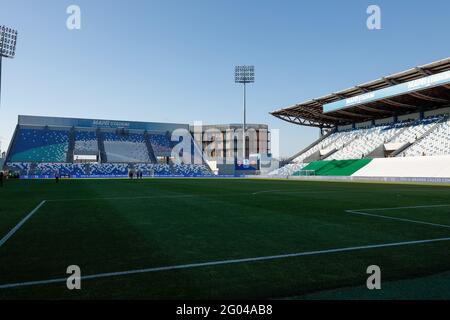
{"x":161,"y":238}
{"x":111,"y":188}
{"x":396,"y":127}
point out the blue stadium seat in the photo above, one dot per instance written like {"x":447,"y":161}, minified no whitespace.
{"x":40,"y":145}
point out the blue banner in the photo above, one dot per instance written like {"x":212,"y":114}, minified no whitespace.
{"x":96,"y":123}
{"x":399,"y":89}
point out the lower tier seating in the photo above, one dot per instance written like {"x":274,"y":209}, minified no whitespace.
{"x":186,"y":170}
{"x":106,"y":169}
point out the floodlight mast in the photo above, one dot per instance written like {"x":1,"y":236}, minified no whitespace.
{"x":244,"y":75}
{"x":8,"y":40}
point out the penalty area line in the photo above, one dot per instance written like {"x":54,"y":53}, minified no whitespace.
{"x":295,"y":192}
{"x":363,"y":212}
{"x":21,"y":223}
{"x":223,"y":262}
{"x":400,"y":208}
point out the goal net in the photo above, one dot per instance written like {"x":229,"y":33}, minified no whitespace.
{"x":303,"y":173}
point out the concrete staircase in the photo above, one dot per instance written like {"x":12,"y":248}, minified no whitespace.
{"x":101,"y":147}
{"x":71,"y":147}
{"x":151,"y":153}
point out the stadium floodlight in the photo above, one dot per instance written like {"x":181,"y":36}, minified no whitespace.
{"x":244,"y":75}
{"x":8,"y":41}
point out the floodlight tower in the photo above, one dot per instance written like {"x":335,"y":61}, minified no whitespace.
{"x":244,"y":75}
{"x":8,"y":40}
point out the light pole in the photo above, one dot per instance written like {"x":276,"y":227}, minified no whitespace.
{"x":244,"y":75}
{"x":8,"y":40}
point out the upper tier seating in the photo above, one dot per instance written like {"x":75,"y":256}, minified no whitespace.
{"x":86,"y":141}
{"x":416,"y":130}
{"x":437,"y":143}
{"x":125,"y":148}
{"x":369,"y":139}
{"x":40,"y":145}
{"x":161,"y":145}
{"x":364,"y":142}
{"x":334,"y":141}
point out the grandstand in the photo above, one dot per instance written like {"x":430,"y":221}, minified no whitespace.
{"x":125,"y":147}
{"x":44,"y":147}
{"x":396,"y":120}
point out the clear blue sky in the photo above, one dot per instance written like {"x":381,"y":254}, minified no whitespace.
{"x":173,"y":61}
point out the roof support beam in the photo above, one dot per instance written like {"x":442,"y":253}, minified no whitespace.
{"x":363,"y":90}
{"x":303,"y":122}
{"x":398,"y":104}
{"x":427,"y":97}
{"x":392,"y":82}
{"x":351,"y":114}
{"x":316,"y":115}
{"x":366,"y":108}
{"x":423,"y":71}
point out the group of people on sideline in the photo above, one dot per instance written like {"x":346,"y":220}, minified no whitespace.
{"x":138,"y":174}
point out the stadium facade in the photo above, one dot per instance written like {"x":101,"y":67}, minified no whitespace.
{"x":222,"y":145}
{"x":226,"y":136}
{"x":396,"y":127}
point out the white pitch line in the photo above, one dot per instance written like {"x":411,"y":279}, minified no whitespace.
{"x":398,"y":219}
{"x":222,"y":262}
{"x":20,"y":224}
{"x":295,"y":192}
{"x":399,"y":208}
{"x":265,"y":191}
{"x":125,"y":198}
{"x":175,"y":196}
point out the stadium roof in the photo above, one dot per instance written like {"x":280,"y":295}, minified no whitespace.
{"x":365,"y":105}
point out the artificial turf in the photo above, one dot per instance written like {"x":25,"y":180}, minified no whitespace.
{"x":117,"y":225}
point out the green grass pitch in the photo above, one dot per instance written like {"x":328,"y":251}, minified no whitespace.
{"x":107,"y":226}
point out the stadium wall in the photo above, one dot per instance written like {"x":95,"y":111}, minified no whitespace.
{"x":428,"y":180}
{"x":421,"y":167}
